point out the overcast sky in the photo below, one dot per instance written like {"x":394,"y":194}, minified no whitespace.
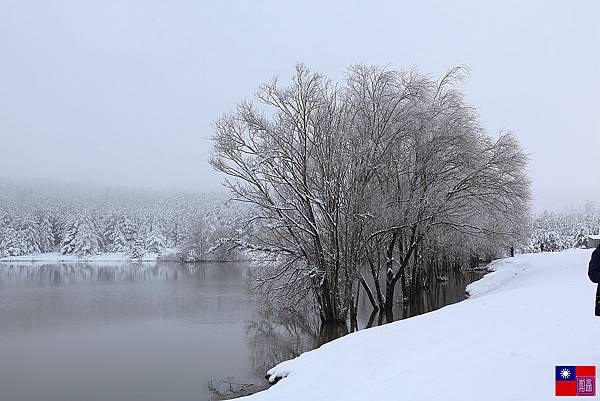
{"x":124,"y":92}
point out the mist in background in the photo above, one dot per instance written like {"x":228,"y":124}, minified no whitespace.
{"x":123,"y":92}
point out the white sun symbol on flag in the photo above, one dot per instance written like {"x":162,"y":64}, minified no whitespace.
{"x":565,"y":373}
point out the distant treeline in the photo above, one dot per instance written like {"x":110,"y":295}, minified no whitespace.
{"x":559,"y":231}
{"x":79,"y":221}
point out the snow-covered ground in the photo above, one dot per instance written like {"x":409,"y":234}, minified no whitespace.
{"x":534,"y":312}
{"x":55,"y":257}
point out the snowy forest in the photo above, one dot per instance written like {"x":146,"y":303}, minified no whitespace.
{"x":82,"y":221}
{"x":557,"y":231}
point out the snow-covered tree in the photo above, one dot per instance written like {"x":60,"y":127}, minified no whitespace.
{"x":372,"y":168}
{"x":86,"y":241}
{"x":46,"y":236}
{"x":138,"y":249}
{"x":115,"y":234}
{"x":11,"y":244}
{"x":68,"y":242}
{"x":155,"y":240}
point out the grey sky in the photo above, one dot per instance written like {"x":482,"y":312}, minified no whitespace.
{"x":124,"y":91}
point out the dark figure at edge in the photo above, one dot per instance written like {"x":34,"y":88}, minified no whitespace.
{"x":594,"y":274}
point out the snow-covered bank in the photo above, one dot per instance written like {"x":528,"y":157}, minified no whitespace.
{"x":534,"y":312}
{"x":57,"y":257}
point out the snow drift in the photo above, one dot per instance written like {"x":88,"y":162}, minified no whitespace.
{"x":533,"y":312}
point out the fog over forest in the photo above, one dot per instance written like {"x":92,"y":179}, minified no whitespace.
{"x":86,"y":220}
{"x":123,"y":93}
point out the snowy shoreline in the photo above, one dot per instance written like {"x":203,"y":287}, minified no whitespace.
{"x":530,"y":313}
{"x":57,"y":257}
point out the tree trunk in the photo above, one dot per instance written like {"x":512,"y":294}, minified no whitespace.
{"x":327,"y":313}
{"x":354,"y":311}
{"x":329,"y":304}
{"x":389,"y":302}
{"x":390,"y":283}
{"x":369,"y":293}
{"x":380,"y":298}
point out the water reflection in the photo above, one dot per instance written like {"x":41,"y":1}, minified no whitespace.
{"x":36,"y":297}
{"x":39,"y":274}
{"x":112,"y":329}
{"x":277,"y":335}
{"x":436,"y":295}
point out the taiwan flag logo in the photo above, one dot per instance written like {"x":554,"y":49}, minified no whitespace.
{"x":575,"y":380}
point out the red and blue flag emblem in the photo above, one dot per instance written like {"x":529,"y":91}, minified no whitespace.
{"x":575,"y":380}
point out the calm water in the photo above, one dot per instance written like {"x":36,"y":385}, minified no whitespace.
{"x":150,"y":331}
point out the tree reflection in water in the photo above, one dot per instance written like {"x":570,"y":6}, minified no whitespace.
{"x":276,"y":334}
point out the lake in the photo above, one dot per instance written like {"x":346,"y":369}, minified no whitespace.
{"x":165,"y":331}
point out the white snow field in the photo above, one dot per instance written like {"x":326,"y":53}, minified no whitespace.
{"x":534,"y":312}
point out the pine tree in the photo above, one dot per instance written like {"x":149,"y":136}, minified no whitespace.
{"x":86,"y":241}
{"x":69,"y":235}
{"x":28,"y":235}
{"x":114,"y":234}
{"x":155,"y":241}
{"x":46,"y":236}
{"x":10,"y":244}
{"x":138,"y":249}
